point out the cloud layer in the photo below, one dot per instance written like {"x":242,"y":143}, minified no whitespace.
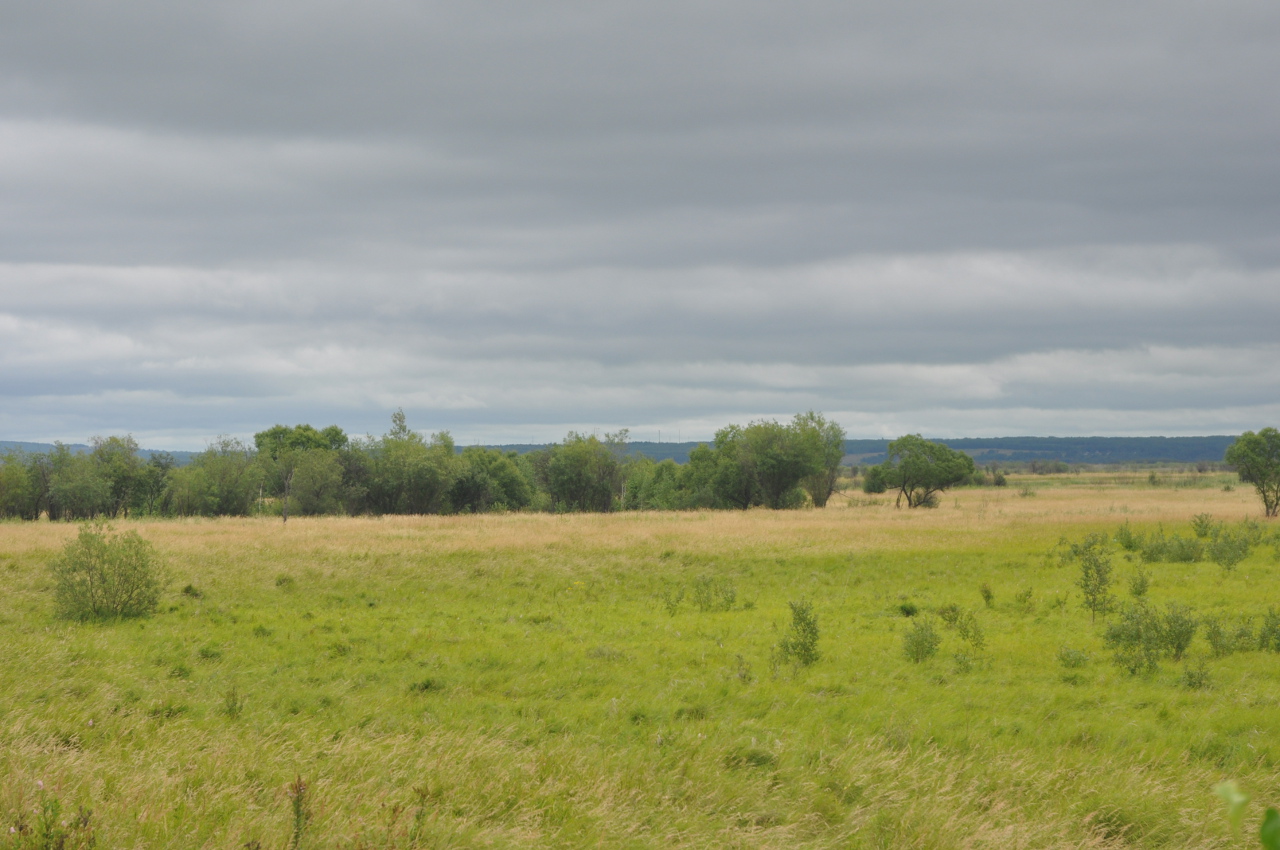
{"x":511,"y":221}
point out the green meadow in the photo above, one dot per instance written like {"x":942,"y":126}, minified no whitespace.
{"x":615,"y":680}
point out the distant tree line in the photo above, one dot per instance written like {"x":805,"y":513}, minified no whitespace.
{"x":304,"y":471}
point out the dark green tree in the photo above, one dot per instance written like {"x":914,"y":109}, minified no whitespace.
{"x":920,"y":469}
{"x":117,"y":461}
{"x":823,"y":441}
{"x":584,"y":473}
{"x":1256,"y":458}
{"x":18,"y":496}
{"x":490,"y":481}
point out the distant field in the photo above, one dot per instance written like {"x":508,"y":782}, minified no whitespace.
{"x":521,"y":680}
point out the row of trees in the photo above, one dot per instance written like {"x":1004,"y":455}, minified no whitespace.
{"x":302,"y":470}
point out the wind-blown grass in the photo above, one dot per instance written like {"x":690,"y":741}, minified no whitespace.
{"x":518,"y":681}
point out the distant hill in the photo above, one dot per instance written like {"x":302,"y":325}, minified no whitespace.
{"x":182,"y":458}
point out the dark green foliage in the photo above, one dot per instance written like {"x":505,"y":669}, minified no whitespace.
{"x":921,"y":641}
{"x":1139,"y":583}
{"x":1197,"y":678}
{"x":1269,"y":631}
{"x":988,"y":595}
{"x":1178,"y":629}
{"x":102,"y":575}
{"x":1224,"y":640}
{"x":1172,"y":550}
{"x":823,"y":440}
{"x":1072,"y":659}
{"x":876,"y":480}
{"x":908,"y":609}
{"x":1256,"y":458}
{"x":584,"y":473}
{"x":919,"y":469}
{"x":800,"y":644}
{"x":490,"y":480}
{"x":1137,"y":638}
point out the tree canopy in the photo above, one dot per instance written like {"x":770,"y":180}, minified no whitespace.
{"x":920,"y":469}
{"x":1256,"y":458}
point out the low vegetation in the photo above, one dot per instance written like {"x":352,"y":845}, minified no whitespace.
{"x":851,"y":677}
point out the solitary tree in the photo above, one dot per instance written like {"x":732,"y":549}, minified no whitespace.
{"x":920,"y":469}
{"x":1256,"y":457}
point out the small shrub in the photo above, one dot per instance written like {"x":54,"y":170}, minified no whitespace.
{"x":988,"y":595}
{"x":192,"y":591}
{"x":101,"y":575}
{"x":1269,"y":631}
{"x":1137,"y":638}
{"x":921,"y":641}
{"x":232,"y":703}
{"x":1224,"y":641}
{"x":1139,"y":583}
{"x":1024,"y":600}
{"x":1203,"y":525}
{"x":712,"y":595}
{"x":1172,"y":550}
{"x":1072,"y":659}
{"x":1178,"y":628}
{"x":1227,"y":550}
{"x":1127,"y":540}
{"x":962,"y":663}
{"x":1095,"y":576}
{"x":1197,"y":678}
{"x":950,"y":614}
{"x":970,"y":630}
{"x":908,"y":609}
{"x":261,"y":631}
{"x":800,"y":644}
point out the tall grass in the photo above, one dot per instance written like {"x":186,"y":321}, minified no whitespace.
{"x":518,"y":681}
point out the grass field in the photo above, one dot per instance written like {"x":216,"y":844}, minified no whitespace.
{"x":538,"y":680}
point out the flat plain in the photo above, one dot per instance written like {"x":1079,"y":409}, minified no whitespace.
{"x":613,"y":680}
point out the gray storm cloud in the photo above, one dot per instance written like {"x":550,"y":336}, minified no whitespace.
{"x":512,"y":220}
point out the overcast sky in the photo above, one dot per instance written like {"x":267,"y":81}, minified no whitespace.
{"x":514,"y":219}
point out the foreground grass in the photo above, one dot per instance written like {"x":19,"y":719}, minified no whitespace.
{"x":519,"y":680}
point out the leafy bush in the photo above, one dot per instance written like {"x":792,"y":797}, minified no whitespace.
{"x":1223,"y":640}
{"x":1227,"y":549}
{"x":1269,"y":632}
{"x":1178,"y":628}
{"x":1139,"y":583}
{"x":712,"y":595}
{"x":1095,"y":574}
{"x":101,"y":575}
{"x":1172,"y":550}
{"x":949,"y":613}
{"x":1197,"y":678}
{"x":1203,"y":525}
{"x":921,"y":640}
{"x":1127,"y":540}
{"x":1072,"y":659}
{"x":1137,"y":638}
{"x":908,"y":609}
{"x":988,"y":595}
{"x":800,"y":644}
